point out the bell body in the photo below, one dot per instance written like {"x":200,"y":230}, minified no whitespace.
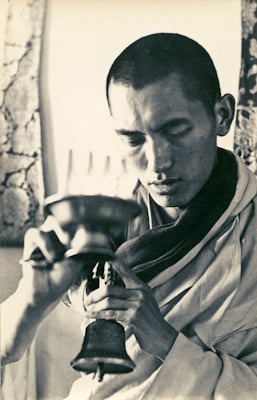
{"x":104,"y":348}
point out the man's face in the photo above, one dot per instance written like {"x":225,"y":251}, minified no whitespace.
{"x":169,"y":140}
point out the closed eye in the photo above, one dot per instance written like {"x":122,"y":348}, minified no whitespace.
{"x":179,"y":131}
{"x":177,"y":126}
{"x":132,"y":138}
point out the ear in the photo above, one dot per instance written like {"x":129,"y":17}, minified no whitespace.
{"x":224,"y":111}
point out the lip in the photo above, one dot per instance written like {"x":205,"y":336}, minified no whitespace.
{"x":164,"y":186}
{"x":167,"y":181}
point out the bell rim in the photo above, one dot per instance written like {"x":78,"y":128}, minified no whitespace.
{"x":93,"y":362}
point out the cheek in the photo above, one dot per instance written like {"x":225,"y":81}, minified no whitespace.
{"x":137,"y":160}
{"x":189,"y":158}
{"x":198,"y":160}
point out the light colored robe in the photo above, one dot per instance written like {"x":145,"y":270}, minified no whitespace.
{"x":210,"y":298}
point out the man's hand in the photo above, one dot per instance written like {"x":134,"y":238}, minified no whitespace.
{"x":133,"y":306}
{"x":44,"y":282}
{"x":48,"y":275}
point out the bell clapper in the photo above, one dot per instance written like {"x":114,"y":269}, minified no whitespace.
{"x":99,"y":374}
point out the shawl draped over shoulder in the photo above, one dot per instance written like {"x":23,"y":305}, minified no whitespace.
{"x":203,"y":272}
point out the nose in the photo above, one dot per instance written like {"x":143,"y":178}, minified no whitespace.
{"x":159,"y":154}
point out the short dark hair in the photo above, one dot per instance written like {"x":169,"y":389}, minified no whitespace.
{"x":156,"y":56}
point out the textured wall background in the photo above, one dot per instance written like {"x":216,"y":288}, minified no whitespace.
{"x":21,"y":178}
{"x":245,"y":141}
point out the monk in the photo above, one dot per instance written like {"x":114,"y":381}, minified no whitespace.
{"x":189,"y":262}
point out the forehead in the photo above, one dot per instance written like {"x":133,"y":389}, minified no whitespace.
{"x":150,"y":105}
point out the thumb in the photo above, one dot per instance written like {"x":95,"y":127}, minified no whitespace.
{"x":129,"y":278}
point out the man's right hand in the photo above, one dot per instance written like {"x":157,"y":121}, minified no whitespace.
{"x":47,"y":275}
{"x":46,"y":278}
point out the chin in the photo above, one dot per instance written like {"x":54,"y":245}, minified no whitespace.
{"x":171,"y":200}
{"x":165,"y":201}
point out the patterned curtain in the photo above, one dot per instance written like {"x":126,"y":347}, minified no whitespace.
{"x":245,"y":139}
{"x":21,"y":177}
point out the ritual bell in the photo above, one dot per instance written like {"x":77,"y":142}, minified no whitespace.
{"x":103,"y":350}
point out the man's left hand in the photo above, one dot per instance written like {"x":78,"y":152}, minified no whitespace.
{"x":135,"y":306}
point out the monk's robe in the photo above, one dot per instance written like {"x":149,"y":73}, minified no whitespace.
{"x":202,"y":269}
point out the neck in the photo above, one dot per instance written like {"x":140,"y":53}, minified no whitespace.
{"x":173,"y":212}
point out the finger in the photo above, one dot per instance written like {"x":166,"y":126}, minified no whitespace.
{"x":112,"y":292}
{"x":111,"y":304}
{"x":51,"y":224}
{"x":122,"y":310}
{"x":123,"y":316}
{"x":129,"y":278}
{"x":40,"y":245}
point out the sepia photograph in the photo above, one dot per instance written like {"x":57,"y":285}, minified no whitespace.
{"x":128,"y":199}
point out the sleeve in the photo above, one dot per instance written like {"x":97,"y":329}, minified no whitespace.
{"x":189,"y":372}
{"x":19,"y":323}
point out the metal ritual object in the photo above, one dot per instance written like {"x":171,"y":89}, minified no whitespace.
{"x":103,"y":350}
{"x":89,"y":221}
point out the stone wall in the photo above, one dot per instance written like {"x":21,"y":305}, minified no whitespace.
{"x":21,"y":177}
{"x":245,"y":139}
